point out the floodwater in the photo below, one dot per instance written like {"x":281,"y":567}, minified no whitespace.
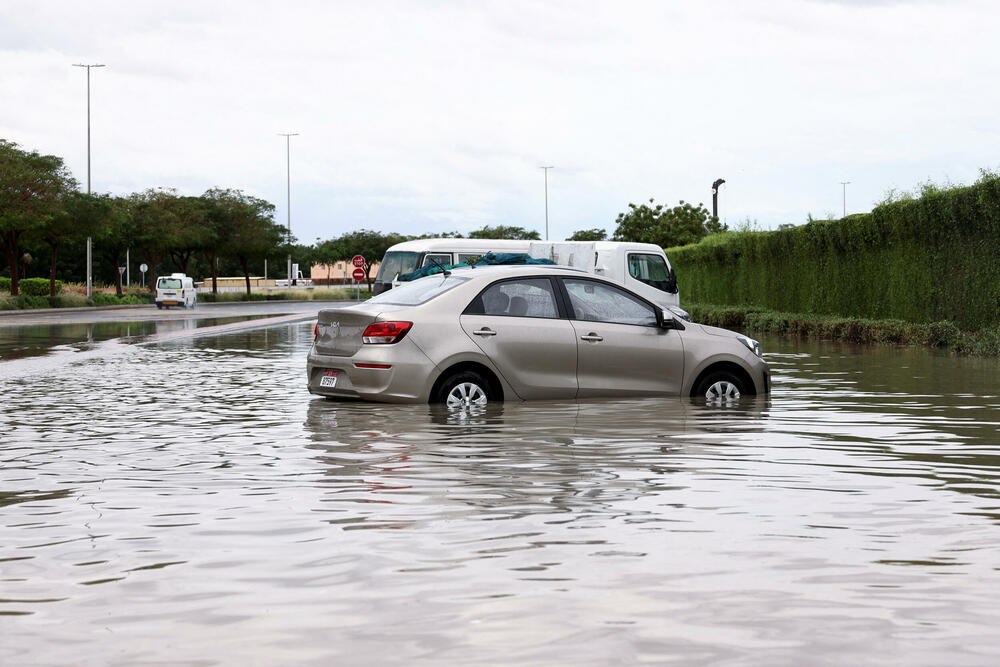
{"x":188,"y":502}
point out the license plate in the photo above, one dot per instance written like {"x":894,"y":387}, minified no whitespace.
{"x":169,"y":303}
{"x":329,"y":378}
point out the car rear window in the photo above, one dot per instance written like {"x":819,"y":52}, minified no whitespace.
{"x":169,"y":283}
{"x":419,"y":291}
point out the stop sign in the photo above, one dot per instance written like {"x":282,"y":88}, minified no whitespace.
{"x":358,"y":260}
{"x":359,"y":274}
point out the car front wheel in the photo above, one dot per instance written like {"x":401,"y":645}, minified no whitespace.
{"x":465,"y":389}
{"x":720,"y":386}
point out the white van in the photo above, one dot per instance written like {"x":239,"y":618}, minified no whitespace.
{"x":642,"y":267}
{"x":176,"y":289}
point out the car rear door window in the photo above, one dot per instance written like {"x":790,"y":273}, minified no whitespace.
{"x":594,"y":301}
{"x":531,"y":297}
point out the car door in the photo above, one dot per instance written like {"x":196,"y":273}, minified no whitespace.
{"x":517,"y":324}
{"x":621,"y":350}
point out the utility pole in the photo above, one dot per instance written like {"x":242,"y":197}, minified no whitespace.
{"x":715,"y":197}
{"x":288,"y":185}
{"x":546,"y":170}
{"x":845,"y":184}
{"x":90,"y":241}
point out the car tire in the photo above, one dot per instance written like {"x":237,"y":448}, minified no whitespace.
{"x":465,"y":389}
{"x":720,"y":386}
{"x":159,"y":306}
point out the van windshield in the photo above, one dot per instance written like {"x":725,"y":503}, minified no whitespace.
{"x":169,"y":283}
{"x":396,"y":262}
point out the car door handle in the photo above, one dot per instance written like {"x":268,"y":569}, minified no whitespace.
{"x":485,"y":331}
{"x":592,"y":337}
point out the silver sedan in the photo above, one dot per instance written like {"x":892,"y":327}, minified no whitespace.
{"x":482,"y":334}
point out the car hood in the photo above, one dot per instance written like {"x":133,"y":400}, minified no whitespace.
{"x":716,"y":331}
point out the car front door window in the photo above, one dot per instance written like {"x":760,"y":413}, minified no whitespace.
{"x":593,"y":301}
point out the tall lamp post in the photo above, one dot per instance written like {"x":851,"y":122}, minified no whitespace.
{"x":90,"y":242}
{"x":546,"y":170}
{"x":844,"y":184}
{"x":715,"y":196}
{"x":288,"y":184}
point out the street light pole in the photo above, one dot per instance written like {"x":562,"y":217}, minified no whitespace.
{"x":715,"y":197}
{"x":845,"y":184}
{"x":90,"y":242}
{"x":546,"y":170}
{"x":288,"y":193}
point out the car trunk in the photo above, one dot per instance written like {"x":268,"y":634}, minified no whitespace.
{"x":340,"y":329}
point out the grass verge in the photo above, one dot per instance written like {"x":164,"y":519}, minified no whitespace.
{"x":944,"y":335}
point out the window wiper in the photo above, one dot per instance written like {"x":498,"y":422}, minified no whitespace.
{"x":438,"y":264}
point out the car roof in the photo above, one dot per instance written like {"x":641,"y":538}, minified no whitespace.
{"x":491,"y":270}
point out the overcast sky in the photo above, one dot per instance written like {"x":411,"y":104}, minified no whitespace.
{"x":436,"y":116}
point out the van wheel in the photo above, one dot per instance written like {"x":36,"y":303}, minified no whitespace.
{"x":465,"y":389}
{"x":159,"y":306}
{"x":720,"y":386}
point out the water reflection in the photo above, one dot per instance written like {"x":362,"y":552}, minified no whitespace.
{"x":192,"y":489}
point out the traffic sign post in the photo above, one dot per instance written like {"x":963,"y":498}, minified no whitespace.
{"x":358,"y":261}
{"x":358,"y":275}
{"x":143,"y":268}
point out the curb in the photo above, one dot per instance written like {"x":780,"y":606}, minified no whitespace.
{"x":85,"y":309}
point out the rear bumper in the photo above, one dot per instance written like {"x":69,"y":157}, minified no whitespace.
{"x":406,"y":381}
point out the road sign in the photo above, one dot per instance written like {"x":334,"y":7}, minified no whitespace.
{"x":143,"y":268}
{"x":358,"y":261}
{"x":359,"y":274}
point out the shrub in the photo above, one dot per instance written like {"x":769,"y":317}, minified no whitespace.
{"x":4,"y":284}
{"x":69,"y":300}
{"x":923,"y":260}
{"x":33,"y":301}
{"x":8,"y":303}
{"x":37,"y":286}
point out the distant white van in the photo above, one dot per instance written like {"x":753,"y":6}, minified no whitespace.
{"x":176,"y":289}
{"x":642,"y":267}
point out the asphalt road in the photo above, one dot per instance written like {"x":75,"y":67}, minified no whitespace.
{"x":150,"y":313}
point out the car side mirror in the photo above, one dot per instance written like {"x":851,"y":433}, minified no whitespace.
{"x":667,"y":320}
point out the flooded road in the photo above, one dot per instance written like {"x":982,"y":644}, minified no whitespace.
{"x":188,"y":502}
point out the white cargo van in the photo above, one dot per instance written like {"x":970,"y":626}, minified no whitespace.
{"x":642,"y":267}
{"x":176,"y":289}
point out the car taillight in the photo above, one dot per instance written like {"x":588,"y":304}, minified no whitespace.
{"x":316,"y":332}
{"x":381,"y":333}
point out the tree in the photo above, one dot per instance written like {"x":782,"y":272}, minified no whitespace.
{"x":117,"y":235}
{"x":222,"y":207}
{"x":666,"y":227}
{"x":188,"y":232}
{"x":32,"y":192}
{"x":253,"y":233}
{"x":504,"y":232}
{"x":83,"y":215}
{"x":595,"y":234}
{"x":329,"y":252}
{"x":372,"y":245}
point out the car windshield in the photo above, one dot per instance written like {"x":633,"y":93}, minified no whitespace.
{"x":169,"y":283}
{"x":419,"y":291}
{"x":394,"y":263}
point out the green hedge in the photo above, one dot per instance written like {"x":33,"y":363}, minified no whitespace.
{"x":4,"y":284}
{"x":37,"y":286}
{"x":920,"y":260}
{"x":103,"y":299}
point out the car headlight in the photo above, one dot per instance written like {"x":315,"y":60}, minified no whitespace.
{"x":751,"y":344}
{"x":679,"y":312}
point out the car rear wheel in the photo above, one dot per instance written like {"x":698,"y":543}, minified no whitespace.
{"x":465,"y":389}
{"x":721,"y":386}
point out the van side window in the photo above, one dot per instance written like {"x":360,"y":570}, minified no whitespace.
{"x":444,"y":259}
{"x":465,"y":257}
{"x":652,"y":270}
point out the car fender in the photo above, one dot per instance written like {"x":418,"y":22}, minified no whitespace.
{"x":691,"y":374}
{"x":478,"y":358}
